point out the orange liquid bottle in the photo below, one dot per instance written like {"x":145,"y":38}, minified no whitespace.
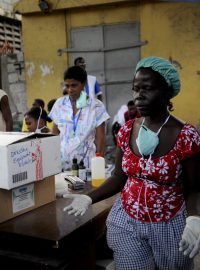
{"x":97,"y":170}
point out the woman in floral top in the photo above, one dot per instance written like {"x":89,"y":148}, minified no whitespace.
{"x":150,"y":225}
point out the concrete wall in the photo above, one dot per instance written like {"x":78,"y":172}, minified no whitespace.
{"x":44,"y":68}
{"x":42,"y":36}
{"x":171,"y":29}
{"x":7,"y":5}
{"x":6,"y":9}
{"x":12,"y":68}
{"x":13,"y":82}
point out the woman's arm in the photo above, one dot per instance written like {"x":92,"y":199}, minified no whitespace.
{"x":55,"y":129}
{"x":113,"y":184}
{"x":6,"y":113}
{"x":191,"y":184}
{"x":100,"y":139}
{"x":190,"y":240}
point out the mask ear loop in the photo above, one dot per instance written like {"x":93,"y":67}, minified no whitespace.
{"x":38,"y":122}
{"x":157,"y":133}
{"x":163,"y":124}
{"x":141,"y":126}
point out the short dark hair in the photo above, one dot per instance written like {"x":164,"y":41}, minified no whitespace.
{"x":130,"y":103}
{"x":34,"y":112}
{"x":78,"y":59}
{"x":50,"y":104}
{"x":76,"y":73}
{"x":39,"y":103}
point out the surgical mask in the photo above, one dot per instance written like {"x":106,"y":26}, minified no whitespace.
{"x":82,"y":100}
{"x":148,"y":140}
{"x":39,"y":130}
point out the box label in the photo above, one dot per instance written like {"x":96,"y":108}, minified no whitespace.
{"x":21,"y":156}
{"x":23,"y":197}
{"x":37,"y":158}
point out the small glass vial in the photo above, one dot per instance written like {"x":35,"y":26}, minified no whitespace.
{"x":82,"y":171}
{"x":74,"y":169}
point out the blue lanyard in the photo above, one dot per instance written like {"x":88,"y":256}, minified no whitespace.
{"x":75,"y":120}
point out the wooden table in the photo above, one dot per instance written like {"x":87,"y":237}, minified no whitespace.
{"x":48,"y":238}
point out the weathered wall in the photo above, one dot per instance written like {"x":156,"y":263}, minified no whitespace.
{"x":172,"y":31}
{"x":13,"y":82}
{"x":7,"y":5}
{"x":44,"y":68}
{"x":43,"y":35}
{"x":12,"y":63}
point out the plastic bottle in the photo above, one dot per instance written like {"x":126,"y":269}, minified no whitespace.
{"x":82,"y":171}
{"x":97,"y":170}
{"x":74,"y":167}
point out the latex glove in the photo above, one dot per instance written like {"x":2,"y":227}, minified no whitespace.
{"x":61,"y":185}
{"x":190,"y":242}
{"x":79,"y":204}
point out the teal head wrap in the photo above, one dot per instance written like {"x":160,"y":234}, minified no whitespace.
{"x":164,"y":68}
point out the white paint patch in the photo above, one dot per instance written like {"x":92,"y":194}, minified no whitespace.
{"x":30,"y":68}
{"x":46,"y":70}
{"x":42,"y":82}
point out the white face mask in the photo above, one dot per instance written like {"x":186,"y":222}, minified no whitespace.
{"x":148,"y":140}
{"x":39,"y":130}
{"x":82,"y":100}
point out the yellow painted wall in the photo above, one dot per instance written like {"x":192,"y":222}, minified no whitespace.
{"x":173,"y":30}
{"x":31,"y":6}
{"x":104,"y":15}
{"x":42,"y":36}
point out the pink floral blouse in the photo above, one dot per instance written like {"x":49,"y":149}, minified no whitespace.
{"x":153,"y":191}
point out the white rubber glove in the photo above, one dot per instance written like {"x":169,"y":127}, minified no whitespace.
{"x":190,"y":242}
{"x":61,"y":185}
{"x":79,"y":204}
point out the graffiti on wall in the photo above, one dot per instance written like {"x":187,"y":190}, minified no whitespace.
{"x":30,"y":68}
{"x":45,"y":71}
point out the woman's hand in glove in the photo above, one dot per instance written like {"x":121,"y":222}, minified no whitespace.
{"x":79,"y":204}
{"x":190,"y":242}
{"x":61,"y":185}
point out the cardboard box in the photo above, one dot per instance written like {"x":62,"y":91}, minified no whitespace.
{"x":27,"y":157}
{"x":20,"y":200}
